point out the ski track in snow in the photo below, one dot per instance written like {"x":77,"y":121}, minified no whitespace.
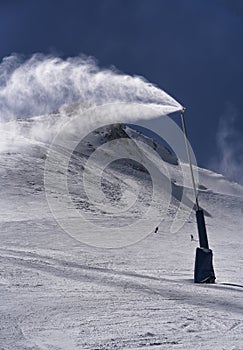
{"x":57,"y":293}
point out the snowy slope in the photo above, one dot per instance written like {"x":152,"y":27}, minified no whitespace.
{"x":58,"y":293}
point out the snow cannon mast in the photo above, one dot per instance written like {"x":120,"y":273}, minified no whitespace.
{"x":203,"y":271}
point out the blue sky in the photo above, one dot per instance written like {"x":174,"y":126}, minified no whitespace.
{"x":192,"y":49}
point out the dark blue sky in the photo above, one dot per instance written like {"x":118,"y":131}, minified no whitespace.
{"x":193,"y":49}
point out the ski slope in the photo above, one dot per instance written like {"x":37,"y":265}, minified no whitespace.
{"x":59,"y":293}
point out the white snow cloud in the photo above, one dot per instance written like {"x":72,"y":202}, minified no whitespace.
{"x":229,"y":160}
{"x":43,"y":83}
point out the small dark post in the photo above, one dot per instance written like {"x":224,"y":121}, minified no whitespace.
{"x":203,"y":271}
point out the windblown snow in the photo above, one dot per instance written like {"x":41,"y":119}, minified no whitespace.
{"x":59,"y":293}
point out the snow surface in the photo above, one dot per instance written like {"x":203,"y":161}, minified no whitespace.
{"x":57,"y":293}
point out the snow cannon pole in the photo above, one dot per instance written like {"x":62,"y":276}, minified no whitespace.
{"x":189,"y":156}
{"x":203,"y":271}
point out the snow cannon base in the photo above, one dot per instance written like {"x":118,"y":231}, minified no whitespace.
{"x":204,"y":272}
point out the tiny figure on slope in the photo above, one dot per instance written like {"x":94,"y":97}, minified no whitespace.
{"x":192,"y":238}
{"x":156,"y":229}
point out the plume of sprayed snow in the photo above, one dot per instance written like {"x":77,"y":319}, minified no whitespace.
{"x":42,"y":84}
{"x":229,"y":161}
{"x":53,"y":90}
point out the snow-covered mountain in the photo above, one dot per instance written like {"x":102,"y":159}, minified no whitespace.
{"x":60,"y":292}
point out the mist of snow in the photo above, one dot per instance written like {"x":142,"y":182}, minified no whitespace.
{"x":42,"y":84}
{"x":229,"y":158}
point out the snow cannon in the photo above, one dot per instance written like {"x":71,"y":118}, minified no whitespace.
{"x":203,"y":270}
